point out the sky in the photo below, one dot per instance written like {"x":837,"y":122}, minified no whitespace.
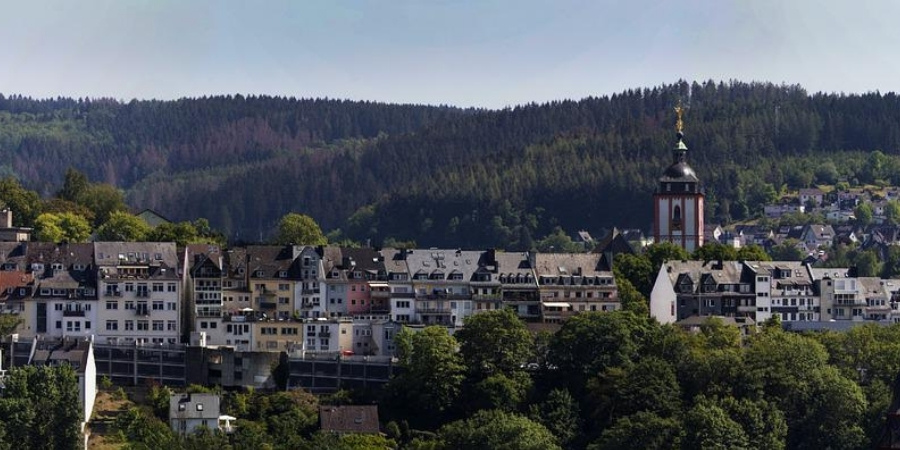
{"x":487,"y":54}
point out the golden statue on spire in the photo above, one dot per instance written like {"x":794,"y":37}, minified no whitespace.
{"x":679,"y":124}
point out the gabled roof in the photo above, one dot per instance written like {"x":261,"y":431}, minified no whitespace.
{"x":152,"y":217}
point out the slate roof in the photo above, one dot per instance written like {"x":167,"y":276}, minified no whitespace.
{"x":394,"y":261}
{"x":185,"y":406}
{"x":724,"y":272}
{"x":161,"y":257}
{"x":72,"y":352}
{"x":515,"y":266}
{"x":368,"y":260}
{"x":77,"y":261}
{"x":268,"y":261}
{"x":443,"y":261}
{"x":569,"y":265}
{"x":798,"y":275}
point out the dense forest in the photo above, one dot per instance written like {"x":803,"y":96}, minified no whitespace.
{"x":444,"y":176}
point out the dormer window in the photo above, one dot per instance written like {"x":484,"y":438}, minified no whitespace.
{"x":283,"y":274}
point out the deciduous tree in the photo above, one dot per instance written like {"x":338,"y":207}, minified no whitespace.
{"x":299,"y":229}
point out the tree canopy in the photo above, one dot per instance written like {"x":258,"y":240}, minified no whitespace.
{"x":299,"y":229}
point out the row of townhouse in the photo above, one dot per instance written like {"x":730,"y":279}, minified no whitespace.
{"x":427,"y":286}
{"x":317,"y":299}
{"x":790,"y":290}
{"x":332,"y":299}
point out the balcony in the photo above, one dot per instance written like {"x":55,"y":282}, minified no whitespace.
{"x":380,"y":294}
{"x":143,"y":294}
{"x":113,"y":293}
{"x":142,"y":311}
{"x":73,"y":313}
{"x":268,"y":305}
{"x":403,"y":295}
{"x":310,"y":291}
{"x":380,"y":309}
{"x":439,"y":296}
{"x":436,"y":310}
{"x":486,"y":297}
{"x":325,"y":334}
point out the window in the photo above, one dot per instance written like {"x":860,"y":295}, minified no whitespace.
{"x":158,"y":325}
{"x":143,"y":325}
{"x":171,"y":325}
{"x":59,"y":324}
{"x":129,"y":304}
{"x":129,"y":325}
{"x":87,"y":324}
{"x":171,"y":306}
{"x":284,"y":287}
{"x":58,"y":307}
{"x":171,"y":287}
{"x":157,"y":305}
{"x":676,"y":218}
{"x":112,"y":325}
{"x":157,"y":287}
{"x":283,"y":300}
{"x":129,"y":287}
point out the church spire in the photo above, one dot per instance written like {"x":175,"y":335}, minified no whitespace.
{"x":680,"y":148}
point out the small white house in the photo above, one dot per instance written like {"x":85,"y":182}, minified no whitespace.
{"x":187,"y":412}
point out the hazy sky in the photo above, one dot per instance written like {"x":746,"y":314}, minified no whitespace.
{"x":466,"y":53}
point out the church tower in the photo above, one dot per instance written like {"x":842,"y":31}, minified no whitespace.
{"x":678,"y":201}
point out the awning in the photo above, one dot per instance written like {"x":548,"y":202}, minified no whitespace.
{"x":558,"y":305}
{"x":379,"y":285}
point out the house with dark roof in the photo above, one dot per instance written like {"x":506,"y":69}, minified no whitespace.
{"x":349,"y":419}
{"x":78,"y":354}
{"x":518,"y":284}
{"x":441,"y":281}
{"x":63,"y":301}
{"x":570,"y":283}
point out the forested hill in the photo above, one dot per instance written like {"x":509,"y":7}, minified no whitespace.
{"x":444,"y":176}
